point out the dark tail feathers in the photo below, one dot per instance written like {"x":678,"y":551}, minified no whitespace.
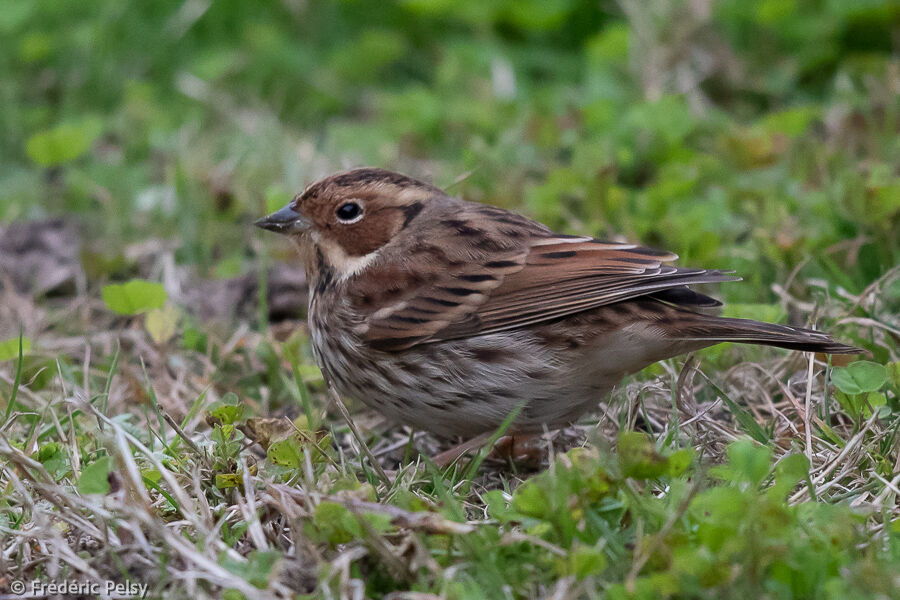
{"x":745,"y":331}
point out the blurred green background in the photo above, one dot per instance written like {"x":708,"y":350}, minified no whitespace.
{"x":755,"y":135}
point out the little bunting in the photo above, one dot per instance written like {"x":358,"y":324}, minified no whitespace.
{"x":448,"y":315}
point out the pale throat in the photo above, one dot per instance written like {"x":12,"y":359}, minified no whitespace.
{"x":343,"y":265}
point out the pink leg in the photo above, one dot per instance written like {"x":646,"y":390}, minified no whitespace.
{"x":517,"y":447}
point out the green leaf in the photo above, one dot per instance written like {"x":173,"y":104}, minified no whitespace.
{"x":63,"y":143}
{"x":680,"y":461}
{"x":531,"y":500}
{"x":585,"y":561}
{"x":287,"y":453}
{"x":792,"y":468}
{"x":334,"y":523}
{"x":873,"y":401}
{"x":746,"y":462}
{"x":95,"y":477}
{"x":789,"y":470}
{"x":135,"y":297}
{"x":49,"y":451}
{"x":379,"y":522}
{"x":53,"y":458}
{"x":638,"y":457}
{"x":9,"y":349}
{"x":228,"y":480}
{"x":152,"y":474}
{"x":859,"y":377}
{"x":228,"y":410}
{"x":893,"y":372}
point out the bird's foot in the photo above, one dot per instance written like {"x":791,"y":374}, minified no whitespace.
{"x":518,"y":448}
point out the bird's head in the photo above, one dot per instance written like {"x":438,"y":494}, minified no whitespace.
{"x":348,"y":217}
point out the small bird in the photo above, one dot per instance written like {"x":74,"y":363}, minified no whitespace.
{"x":448,"y":315}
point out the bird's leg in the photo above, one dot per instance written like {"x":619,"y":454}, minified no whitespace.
{"x":447,"y":457}
{"x":514,"y":447}
{"x":519,"y":448}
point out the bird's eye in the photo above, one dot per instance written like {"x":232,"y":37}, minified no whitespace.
{"x":349,"y":212}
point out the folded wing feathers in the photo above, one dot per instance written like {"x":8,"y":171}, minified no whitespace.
{"x":498,"y":314}
{"x":550,"y":277}
{"x":451,"y":297}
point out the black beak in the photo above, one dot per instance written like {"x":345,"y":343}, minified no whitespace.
{"x":286,"y":220}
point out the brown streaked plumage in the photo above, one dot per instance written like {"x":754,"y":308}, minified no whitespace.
{"x":448,"y":315}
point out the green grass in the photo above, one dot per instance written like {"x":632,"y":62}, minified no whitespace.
{"x":170,"y":435}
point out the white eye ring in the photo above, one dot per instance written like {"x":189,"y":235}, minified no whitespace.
{"x":354,"y":213}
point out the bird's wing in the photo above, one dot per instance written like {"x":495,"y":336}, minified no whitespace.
{"x":564,"y":276}
{"x":488,"y":270}
{"x":439,"y":277}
